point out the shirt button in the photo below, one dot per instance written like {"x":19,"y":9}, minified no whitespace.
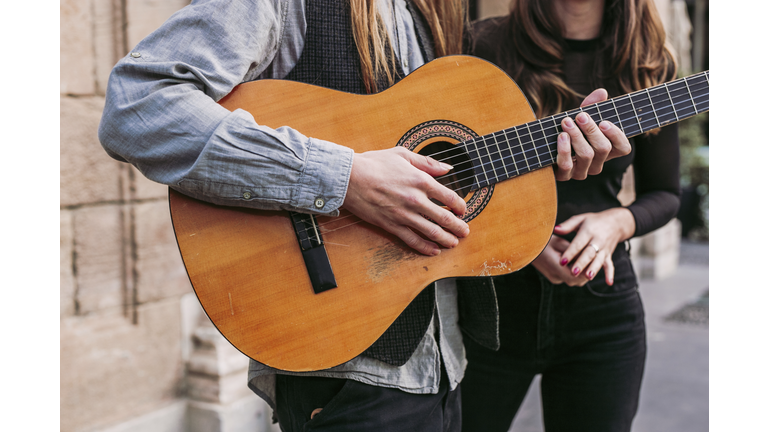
{"x":319,"y":203}
{"x":247,"y":195}
{"x":135,"y":54}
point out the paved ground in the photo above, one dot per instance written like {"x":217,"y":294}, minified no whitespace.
{"x":675,"y":393}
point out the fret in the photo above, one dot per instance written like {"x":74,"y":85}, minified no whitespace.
{"x":509,"y":142}
{"x":700,"y":88}
{"x":486,"y":159}
{"x":557,"y":119}
{"x":628,"y":117}
{"x":547,"y":144}
{"x":662,"y":103}
{"x":653,"y":108}
{"x":534,"y":141}
{"x":606,"y":111}
{"x":592,"y":111}
{"x":616,"y":110}
{"x":557,"y":130}
{"x":474,"y":155}
{"x":641,"y":107}
{"x":522,"y":147}
{"x":529,"y":151}
{"x":671,"y":103}
{"x":683,"y":104}
{"x":497,"y":160}
{"x":685,"y":80}
{"x":599,"y":113}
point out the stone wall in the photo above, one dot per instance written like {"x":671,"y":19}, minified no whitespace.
{"x":136,"y":351}
{"x":128,"y":317}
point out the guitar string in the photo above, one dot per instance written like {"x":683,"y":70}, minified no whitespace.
{"x":684,"y":98}
{"x":675,"y":100}
{"x":517,"y":148}
{"x":546,"y":130}
{"x":697,"y":96}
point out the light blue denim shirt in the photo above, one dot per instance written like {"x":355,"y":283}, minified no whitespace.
{"x":161,"y":116}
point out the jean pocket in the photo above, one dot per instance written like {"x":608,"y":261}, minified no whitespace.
{"x":332,"y":408}
{"x":624,"y":283}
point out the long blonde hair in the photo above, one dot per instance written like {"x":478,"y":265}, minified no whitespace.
{"x":632,"y":44}
{"x":446,"y":19}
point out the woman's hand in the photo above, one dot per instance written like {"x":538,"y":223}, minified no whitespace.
{"x":577,"y":262}
{"x":592,"y":144}
{"x":548,"y":263}
{"x":392,"y":189}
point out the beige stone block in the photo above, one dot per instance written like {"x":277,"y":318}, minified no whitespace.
{"x":160,"y":271}
{"x":223,"y":389}
{"x":147,"y":189}
{"x":658,"y":266}
{"x":145,"y":16}
{"x":250,"y":413}
{"x":490,"y":8}
{"x":108,"y":40}
{"x":98,"y":264}
{"x":170,"y":418}
{"x":67,"y":273}
{"x":112,"y":371}
{"x":87,"y":174}
{"x":214,"y":355}
{"x":663,"y":239}
{"x":76,"y":62}
{"x":627,"y":194}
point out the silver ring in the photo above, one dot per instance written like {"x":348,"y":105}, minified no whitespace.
{"x":597,"y":249}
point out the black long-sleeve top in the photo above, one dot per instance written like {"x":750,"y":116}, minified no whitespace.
{"x":656,"y":158}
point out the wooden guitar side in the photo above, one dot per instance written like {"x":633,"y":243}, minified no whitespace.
{"x":246,"y":266}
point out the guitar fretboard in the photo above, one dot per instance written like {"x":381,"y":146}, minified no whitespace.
{"x":521,"y":149}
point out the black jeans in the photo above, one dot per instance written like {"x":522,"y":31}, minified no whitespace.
{"x":588,"y":345}
{"x":351,"y":406}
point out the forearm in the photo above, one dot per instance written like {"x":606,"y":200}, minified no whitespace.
{"x":161,"y":115}
{"x":183,"y":139}
{"x":657,"y":180}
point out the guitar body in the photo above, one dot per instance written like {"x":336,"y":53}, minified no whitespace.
{"x":246,"y":265}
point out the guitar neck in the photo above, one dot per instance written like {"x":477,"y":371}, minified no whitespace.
{"x":521,"y":149}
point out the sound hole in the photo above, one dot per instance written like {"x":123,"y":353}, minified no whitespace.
{"x":459,"y":179}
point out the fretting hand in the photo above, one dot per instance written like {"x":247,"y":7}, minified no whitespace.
{"x":392,"y":189}
{"x":592,"y":144}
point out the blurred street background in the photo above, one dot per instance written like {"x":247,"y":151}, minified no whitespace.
{"x":675,"y":391}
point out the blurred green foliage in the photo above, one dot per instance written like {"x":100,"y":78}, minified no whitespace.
{"x":694,"y":171}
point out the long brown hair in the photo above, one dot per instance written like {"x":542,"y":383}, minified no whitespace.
{"x":631,"y":42}
{"x":446,"y":19}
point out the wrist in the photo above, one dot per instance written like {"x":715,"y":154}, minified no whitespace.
{"x":626,"y":222}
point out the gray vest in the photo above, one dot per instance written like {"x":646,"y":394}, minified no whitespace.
{"x":330,"y":59}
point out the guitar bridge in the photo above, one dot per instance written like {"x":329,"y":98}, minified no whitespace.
{"x":313,"y":250}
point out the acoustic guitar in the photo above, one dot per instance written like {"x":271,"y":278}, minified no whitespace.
{"x":300,"y":292}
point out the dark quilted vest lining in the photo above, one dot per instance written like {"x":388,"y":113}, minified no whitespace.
{"x":330,"y":60}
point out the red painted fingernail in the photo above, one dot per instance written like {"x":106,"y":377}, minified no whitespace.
{"x":590,"y":274}
{"x":564,"y":261}
{"x":575,"y":271}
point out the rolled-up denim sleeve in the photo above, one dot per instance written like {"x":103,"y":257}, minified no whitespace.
{"x":161,"y":114}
